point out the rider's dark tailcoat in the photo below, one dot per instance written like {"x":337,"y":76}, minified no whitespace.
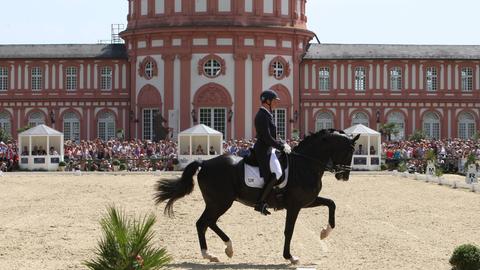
{"x":266,"y":139}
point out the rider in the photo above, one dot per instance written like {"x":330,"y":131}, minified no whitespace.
{"x":266,"y":139}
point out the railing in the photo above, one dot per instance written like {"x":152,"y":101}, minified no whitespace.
{"x":448,"y":165}
{"x":129,"y":164}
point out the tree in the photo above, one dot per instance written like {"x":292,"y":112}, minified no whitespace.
{"x":126,"y":244}
{"x":27,"y":127}
{"x":417,"y":136}
{"x":4,"y":135}
{"x":389,"y":129}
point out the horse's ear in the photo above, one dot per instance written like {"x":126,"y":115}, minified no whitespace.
{"x":356,"y":138}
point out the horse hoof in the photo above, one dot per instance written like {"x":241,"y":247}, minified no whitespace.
{"x":229,"y":252}
{"x":209,"y":257}
{"x":229,"y":249}
{"x":325,"y":232}
{"x":294,"y":260}
{"x":214,"y":259}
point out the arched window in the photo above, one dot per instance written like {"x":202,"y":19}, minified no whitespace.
{"x":148,"y":68}
{"x":279,"y":68}
{"x":280,"y":120}
{"x":466,"y":126}
{"x":35,"y":119}
{"x":431,"y":125}
{"x":106,"y":126}
{"x":5,"y":123}
{"x":360,"y":118}
{"x":215,"y":118}
{"x":211,"y":66}
{"x":71,"y":127}
{"x":399,"y":121}
{"x":324,"y":121}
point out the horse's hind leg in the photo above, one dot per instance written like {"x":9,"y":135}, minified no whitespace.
{"x":225,"y":238}
{"x":209,"y":218}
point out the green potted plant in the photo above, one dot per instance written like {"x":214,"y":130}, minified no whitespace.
{"x":295,"y":134}
{"x":116,"y":164}
{"x":465,"y":257}
{"x":120,"y":133}
{"x":61,"y":166}
{"x":127,"y":244}
{"x":123,"y":167}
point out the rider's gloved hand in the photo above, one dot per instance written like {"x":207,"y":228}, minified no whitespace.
{"x":286,"y":148}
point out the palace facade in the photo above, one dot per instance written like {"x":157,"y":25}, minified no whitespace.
{"x":207,"y":61}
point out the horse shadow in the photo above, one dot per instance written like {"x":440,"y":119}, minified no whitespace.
{"x":186,"y":265}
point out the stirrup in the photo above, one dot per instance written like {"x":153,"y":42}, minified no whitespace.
{"x":262,"y":208}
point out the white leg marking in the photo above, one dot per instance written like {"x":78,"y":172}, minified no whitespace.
{"x":295,"y":260}
{"x":208,"y":256}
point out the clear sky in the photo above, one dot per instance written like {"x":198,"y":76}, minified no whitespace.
{"x":334,"y":21}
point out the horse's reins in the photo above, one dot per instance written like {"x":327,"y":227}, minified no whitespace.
{"x":337,"y":168}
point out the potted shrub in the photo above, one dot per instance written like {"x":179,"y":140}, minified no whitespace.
{"x":116,"y":164}
{"x":120,"y":134}
{"x":127,"y":244}
{"x":123,"y":167}
{"x":61,"y":166}
{"x":465,"y":257}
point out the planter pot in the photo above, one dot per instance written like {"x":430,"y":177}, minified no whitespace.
{"x":116,"y":168}
{"x":61,"y":168}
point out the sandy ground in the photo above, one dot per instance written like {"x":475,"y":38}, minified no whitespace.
{"x":383,"y":222}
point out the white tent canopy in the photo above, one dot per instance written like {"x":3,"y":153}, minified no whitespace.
{"x":41,"y":130}
{"x":361,"y":129}
{"x":199,"y":142}
{"x":41,"y":148}
{"x":367,"y":153}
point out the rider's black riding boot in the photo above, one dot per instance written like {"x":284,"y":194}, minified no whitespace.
{"x":261,"y":205}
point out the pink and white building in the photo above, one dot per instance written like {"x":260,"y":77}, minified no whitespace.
{"x":207,"y":61}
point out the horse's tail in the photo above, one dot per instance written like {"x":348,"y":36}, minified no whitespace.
{"x":173,"y":190}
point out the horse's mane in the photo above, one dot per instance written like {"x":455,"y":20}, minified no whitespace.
{"x":308,"y":140}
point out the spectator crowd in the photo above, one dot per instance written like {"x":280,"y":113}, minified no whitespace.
{"x":450,"y":154}
{"x":142,"y":155}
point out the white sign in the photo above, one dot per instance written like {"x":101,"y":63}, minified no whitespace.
{"x":471,"y":176}
{"x":430,"y":168}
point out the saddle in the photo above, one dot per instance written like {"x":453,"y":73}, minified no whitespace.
{"x":252,"y":172}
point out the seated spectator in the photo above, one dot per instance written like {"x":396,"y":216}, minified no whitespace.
{"x":25,"y":151}
{"x":199,"y":150}
{"x":35,"y":151}
{"x":52,"y":151}
{"x":41,"y":151}
{"x":372,"y":150}
{"x":244,"y":151}
{"x":359,"y":150}
{"x":212,"y":151}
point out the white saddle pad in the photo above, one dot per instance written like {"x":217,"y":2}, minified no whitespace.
{"x":253,"y":178}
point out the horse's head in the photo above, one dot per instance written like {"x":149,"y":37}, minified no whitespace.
{"x":333,"y":148}
{"x":342,"y":157}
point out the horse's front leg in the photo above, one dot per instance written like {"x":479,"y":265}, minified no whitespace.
{"x":292,"y":215}
{"x":319,"y":201}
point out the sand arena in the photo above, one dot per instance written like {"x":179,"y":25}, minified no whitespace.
{"x":50,"y":221}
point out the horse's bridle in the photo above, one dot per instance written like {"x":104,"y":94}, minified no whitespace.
{"x":328,"y":166}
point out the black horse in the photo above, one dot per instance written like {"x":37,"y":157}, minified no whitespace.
{"x":221,"y":182}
